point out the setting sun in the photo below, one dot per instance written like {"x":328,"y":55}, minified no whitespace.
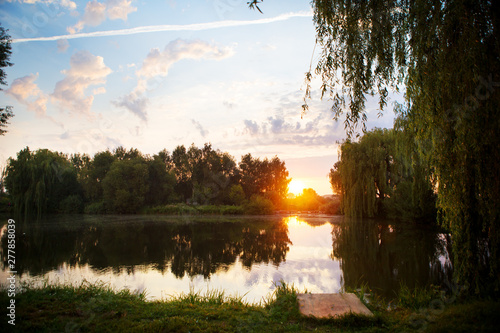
{"x":296,"y":186}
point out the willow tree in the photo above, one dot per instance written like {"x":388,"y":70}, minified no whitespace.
{"x":41,"y":182}
{"x":380,"y":175}
{"x":363,"y":173}
{"x":445,"y":55}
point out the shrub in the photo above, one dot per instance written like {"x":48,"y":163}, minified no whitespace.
{"x":258,"y":205}
{"x":232,"y":210}
{"x":72,"y":204}
{"x":165,"y":209}
{"x":236,"y":195}
{"x":331,"y":207}
{"x":96,"y":208}
{"x":209,"y":210}
{"x":175,"y":209}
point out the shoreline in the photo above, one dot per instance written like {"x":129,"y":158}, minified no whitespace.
{"x":98,"y":307}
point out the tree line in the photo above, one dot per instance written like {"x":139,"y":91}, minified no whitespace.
{"x":126,"y":181}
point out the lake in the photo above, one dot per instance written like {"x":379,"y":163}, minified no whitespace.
{"x":166,"y":256}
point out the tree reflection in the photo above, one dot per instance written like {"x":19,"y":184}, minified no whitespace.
{"x":387,"y":255}
{"x":183,"y":247}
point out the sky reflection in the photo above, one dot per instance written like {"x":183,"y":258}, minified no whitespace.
{"x":307,"y":265}
{"x":243,"y":256}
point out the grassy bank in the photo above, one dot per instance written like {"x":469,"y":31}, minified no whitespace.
{"x":183,"y":209}
{"x":99,"y":308}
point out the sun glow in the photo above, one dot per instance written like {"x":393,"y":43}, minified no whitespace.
{"x":296,"y":186}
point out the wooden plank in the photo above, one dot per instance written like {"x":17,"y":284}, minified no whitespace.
{"x":331,"y":305}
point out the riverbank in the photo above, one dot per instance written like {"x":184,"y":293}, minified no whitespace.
{"x":99,"y":308}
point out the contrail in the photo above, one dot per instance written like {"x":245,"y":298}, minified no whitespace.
{"x":167,"y":27}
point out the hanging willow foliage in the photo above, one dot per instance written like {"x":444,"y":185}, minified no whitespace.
{"x":382,"y":176}
{"x":39,"y":181}
{"x":445,"y":54}
{"x":363,"y":171}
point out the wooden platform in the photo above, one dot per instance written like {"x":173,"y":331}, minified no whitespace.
{"x":331,"y":305}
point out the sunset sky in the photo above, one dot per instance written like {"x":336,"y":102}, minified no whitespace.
{"x":94,"y":75}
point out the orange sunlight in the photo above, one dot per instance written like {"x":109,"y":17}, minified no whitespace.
{"x":296,"y":186}
{"x":293,"y":221}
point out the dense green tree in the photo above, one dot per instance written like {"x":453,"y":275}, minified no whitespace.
{"x":161,"y":182}
{"x":122,"y":154}
{"x":126,"y":181}
{"x":250,"y":175}
{"x":213,"y":172}
{"x":203,"y":175}
{"x":125,"y":186}
{"x":276,"y":180}
{"x":5,"y":114}
{"x":5,"y":52}
{"x":445,"y":55}
{"x":80,"y":161}
{"x":39,"y":181}
{"x":93,"y":173}
{"x":264,"y":177}
{"x":182,"y":170}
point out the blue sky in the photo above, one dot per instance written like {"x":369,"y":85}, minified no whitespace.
{"x":93,"y":75}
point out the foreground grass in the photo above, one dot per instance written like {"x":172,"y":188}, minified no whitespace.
{"x":99,"y":308}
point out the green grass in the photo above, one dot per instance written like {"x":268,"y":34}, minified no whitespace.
{"x":100,"y":308}
{"x":183,"y":209}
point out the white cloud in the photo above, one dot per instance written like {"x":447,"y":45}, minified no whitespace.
{"x":68,"y":4}
{"x":26,"y":91}
{"x":157,"y":63}
{"x":97,"y":12}
{"x":119,"y":9}
{"x":286,"y":128}
{"x":98,"y":91}
{"x":85,"y":70}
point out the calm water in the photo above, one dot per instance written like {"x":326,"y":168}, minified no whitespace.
{"x":245,"y":256}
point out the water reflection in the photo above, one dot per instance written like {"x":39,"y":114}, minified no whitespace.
{"x":387,"y":255}
{"x":183,"y":247}
{"x":240,"y":255}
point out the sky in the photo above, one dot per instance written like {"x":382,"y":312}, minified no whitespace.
{"x":95,"y":75}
